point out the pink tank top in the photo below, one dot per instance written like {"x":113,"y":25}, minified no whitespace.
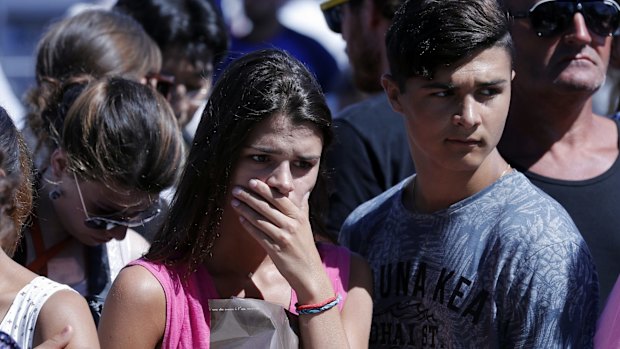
{"x":187,"y":306}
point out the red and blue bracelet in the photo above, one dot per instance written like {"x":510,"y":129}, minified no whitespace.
{"x":319,"y":307}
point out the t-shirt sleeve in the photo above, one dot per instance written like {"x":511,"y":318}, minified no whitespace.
{"x":554,"y":298}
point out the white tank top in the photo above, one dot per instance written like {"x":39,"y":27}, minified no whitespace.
{"x":21,"y":319}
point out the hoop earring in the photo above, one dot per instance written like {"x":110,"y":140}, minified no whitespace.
{"x":55,"y":194}
{"x":49,"y":181}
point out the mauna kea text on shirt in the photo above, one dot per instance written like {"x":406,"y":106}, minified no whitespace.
{"x":412,"y":303}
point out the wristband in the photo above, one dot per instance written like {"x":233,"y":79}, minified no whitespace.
{"x":319,"y":307}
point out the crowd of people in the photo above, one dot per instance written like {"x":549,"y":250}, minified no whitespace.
{"x":468,"y":201}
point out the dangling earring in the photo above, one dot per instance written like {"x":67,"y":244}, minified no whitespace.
{"x":55,"y":194}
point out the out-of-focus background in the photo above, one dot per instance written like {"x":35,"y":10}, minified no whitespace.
{"x":22,"y":22}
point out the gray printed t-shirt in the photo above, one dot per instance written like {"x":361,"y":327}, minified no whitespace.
{"x":504,"y":268}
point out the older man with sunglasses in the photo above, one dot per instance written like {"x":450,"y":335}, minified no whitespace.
{"x":371,"y":153}
{"x":552,"y":135}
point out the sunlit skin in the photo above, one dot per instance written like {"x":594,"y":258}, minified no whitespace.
{"x":62,"y":313}
{"x":283,"y":155}
{"x":65,"y":215}
{"x":575,"y":60}
{"x":454,"y":122}
{"x":552,"y":130}
{"x":264,"y":249}
{"x":276,"y":171}
{"x":109,"y":202}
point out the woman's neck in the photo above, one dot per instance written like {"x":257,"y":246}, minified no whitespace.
{"x":52,"y":230}
{"x":240,"y":267}
{"x":234,"y":240}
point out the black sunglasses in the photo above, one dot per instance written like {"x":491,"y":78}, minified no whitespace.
{"x":104,"y":223}
{"x":550,"y":17}
{"x":109,"y":223}
{"x":332,"y":10}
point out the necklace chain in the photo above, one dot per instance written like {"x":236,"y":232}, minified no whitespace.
{"x":506,"y":170}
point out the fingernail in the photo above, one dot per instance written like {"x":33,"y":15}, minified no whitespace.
{"x":234,"y":202}
{"x":253,"y":183}
{"x":236,"y":191}
{"x":241,"y":219}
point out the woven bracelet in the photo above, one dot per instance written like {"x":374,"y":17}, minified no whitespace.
{"x":319,"y":307}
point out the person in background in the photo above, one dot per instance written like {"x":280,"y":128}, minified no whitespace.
{"x":33,"y":309}
{"x":370,"y":152}
{"x":243,"y":222}
{"x":552,"y":135}
{"x":606,"y":100}
{"x":10,"y":101}
{"x":193,"y":39}
{"x":95,"y":42}
{"x":113,"y":146}
{"x":266,"y":31}
{"x":98,"y":43}
{"x":467,"y":253}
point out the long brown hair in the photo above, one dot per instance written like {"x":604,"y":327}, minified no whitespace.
{"x":97,"y":43}
{"x":253,"y":88}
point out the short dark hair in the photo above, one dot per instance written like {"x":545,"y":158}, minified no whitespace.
{"x":194,"y":27}
{"x":430,"y":34}
{"x":254,"y":87}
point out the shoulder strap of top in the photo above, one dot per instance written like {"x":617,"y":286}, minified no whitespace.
{"x":39,"y":265}
{"x":21,"y":318}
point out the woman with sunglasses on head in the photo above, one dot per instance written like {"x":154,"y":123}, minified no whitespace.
{"x":245,"y":220}
{"x":95,"y":42}
{"x":113,"y":146}
{"x":33,"y":309}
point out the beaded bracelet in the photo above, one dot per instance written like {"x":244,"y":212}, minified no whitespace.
{"x":319,"y":307}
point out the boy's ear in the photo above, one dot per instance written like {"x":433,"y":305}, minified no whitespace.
{"x":58,"y":162}
{"x":390,"y":86}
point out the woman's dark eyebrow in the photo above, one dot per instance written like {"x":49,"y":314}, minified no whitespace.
{"x":263,"y":149}
{"x":272,"y":151}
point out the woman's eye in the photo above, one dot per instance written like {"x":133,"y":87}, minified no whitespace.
{"x":444,"y":93}
{"x":490,"y":91}
{"x":259,"y":158}
{"x":304,"y":164}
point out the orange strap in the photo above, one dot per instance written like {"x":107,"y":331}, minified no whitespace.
{"x":39,"y":265}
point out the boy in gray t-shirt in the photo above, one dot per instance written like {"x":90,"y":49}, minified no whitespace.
{"x":466,"y":253}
